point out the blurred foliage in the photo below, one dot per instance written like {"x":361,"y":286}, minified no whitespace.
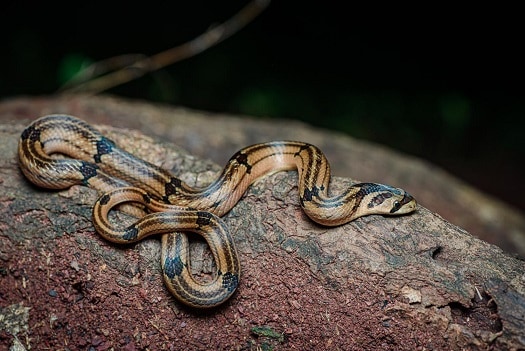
{"x":70,"y":65}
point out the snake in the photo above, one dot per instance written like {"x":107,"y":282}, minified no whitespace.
{"x":59,"y":151}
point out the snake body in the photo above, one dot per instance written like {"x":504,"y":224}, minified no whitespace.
{"x":175,"y":207}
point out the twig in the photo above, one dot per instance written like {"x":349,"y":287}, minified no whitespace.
{"x":133,"y":66}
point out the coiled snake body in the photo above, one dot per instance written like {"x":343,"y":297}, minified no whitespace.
{"x":175,"y":207}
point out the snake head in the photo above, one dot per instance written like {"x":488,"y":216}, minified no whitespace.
{"x":386,"y":200}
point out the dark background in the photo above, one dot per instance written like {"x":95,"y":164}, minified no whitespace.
{"x":443,"y":83}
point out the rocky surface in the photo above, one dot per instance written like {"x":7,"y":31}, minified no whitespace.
{"x":378,"y":283}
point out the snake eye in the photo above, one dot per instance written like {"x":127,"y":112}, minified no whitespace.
{"x":397,"y":206}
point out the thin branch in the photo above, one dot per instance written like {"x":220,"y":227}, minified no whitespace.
{"x":133,"y":66}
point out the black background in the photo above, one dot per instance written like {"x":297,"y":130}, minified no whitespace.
{"x":437,"y":81}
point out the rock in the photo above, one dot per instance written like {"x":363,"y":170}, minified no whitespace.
{"x":400,"y":283}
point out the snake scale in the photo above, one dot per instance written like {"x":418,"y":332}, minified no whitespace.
{"x":166,"y":205}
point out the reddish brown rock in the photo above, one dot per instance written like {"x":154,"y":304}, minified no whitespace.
{"x":403,"y":283}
